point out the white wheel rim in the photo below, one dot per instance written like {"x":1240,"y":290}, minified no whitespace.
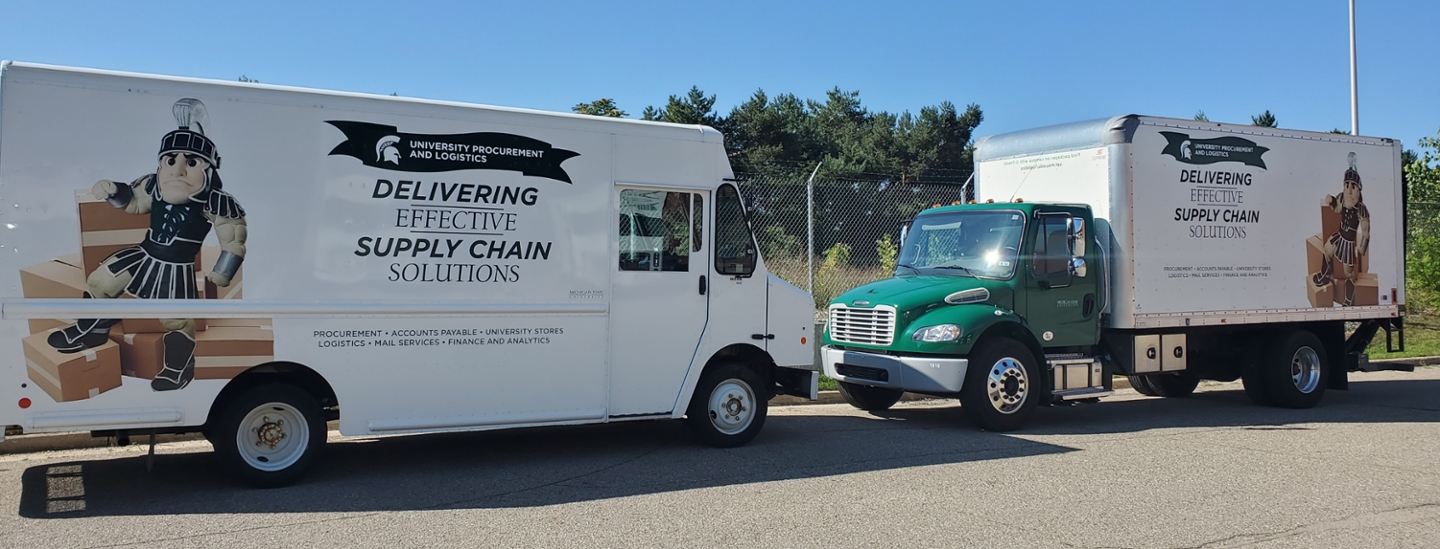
{"x":1007,"y":385}
{"x":1305,"y":369}
{"x":732,"y":406}
{"x":273,"y":436}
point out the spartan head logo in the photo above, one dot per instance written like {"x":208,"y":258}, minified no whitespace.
{"x":1185,"y":149}
{"x":386,"y":151}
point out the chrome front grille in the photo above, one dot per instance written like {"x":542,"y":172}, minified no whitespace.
{"x":864,"y":326}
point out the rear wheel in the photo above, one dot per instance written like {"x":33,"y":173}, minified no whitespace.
{"x":728,"y":409}
{"x":868,"y":398}
{"x":270,"y":434}
{"x":1141,"y":384}
{"x":1294,"y":372}
{"x":1001,"y":385}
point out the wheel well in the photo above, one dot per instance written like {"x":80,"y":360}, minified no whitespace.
{"x":291,"y":373}
{"x":1015,"y":331}
{"x":750,"y":356}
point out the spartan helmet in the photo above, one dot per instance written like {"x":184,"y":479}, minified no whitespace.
{"x":385,"y":150}
{"x":189,"y":138}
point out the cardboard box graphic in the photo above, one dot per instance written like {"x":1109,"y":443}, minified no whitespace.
{"x":1329,"y":222}
{"x":1314,"y":255}
{"x":70,"y":377}
{"x":1320,"y":296}
{"x":141,"y":355}
{"x":1367,"y":290}
{"x":225,"y":352}
{"x":105,"y":229}
{"x":59,"y":278}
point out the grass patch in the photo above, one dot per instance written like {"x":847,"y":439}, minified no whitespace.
{"x":827,"y":384}
{"x":1422,"y":338}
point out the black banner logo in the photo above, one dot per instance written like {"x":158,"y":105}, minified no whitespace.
{"x":1210,"y":151}
{"x":385,"y":147}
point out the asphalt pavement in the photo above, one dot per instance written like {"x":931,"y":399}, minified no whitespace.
{"x":1210,"y":471}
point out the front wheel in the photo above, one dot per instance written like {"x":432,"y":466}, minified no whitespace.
{"x":728,"y":407}
{"x":270,"y":434}
{"x":865,"y":397}
{"x":1002,"y":385}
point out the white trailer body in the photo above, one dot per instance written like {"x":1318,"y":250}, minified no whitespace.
{"x":1208,"y":223}
{"x":416,"y":265}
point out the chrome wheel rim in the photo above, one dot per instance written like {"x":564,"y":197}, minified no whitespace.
{"x":1305,"y":369}
{"x":1007,"y":385}
{"x":273,"y":436}
{"x":732,"y":406}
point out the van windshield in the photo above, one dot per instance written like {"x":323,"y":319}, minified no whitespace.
{"x":982,"y":244}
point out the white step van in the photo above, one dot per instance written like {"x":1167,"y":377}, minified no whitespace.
{"x":401,"y":265}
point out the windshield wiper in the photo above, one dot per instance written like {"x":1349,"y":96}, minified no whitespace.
{"x":956,"y":267}
{"x":911,"y":267}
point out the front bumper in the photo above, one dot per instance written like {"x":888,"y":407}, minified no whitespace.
{"x":921,"y":374}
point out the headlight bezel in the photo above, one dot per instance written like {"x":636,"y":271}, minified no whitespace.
{"x":939,"y":333}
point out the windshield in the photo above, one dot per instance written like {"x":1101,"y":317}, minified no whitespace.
{"x":974,"y":243}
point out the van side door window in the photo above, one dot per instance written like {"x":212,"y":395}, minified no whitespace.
{"x":735,"y":253}
{"x":656,"y":230}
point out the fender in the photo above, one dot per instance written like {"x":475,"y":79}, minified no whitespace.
{"x":975,"y":320}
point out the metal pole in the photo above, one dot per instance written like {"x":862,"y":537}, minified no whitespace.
{"x":1354,"y":89}
{"x":810,"y":230}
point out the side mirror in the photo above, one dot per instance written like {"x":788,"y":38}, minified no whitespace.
{"x":1075,"y":229}
{"x":1077,"y":267}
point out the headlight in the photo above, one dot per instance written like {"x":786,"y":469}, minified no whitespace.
{"x":933,"y":334}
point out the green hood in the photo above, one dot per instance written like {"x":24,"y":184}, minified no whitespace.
{"x":914,"y":297}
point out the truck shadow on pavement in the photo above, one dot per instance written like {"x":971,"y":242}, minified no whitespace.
{"x":558,"y":465}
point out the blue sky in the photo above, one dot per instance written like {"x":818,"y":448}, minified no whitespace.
{"x":1026,"y":64}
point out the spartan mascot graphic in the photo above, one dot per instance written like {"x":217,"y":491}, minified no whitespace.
{"x":1351,"y":241}
{"x":184,"y":200}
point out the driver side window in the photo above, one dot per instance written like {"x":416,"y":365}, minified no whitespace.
{"x":734,"y":248}
{"x":1052,"y":248}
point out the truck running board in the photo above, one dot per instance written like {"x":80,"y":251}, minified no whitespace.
{"x":1082,"y":394}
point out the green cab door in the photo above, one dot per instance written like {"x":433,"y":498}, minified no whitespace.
{"x":1061,"y":304}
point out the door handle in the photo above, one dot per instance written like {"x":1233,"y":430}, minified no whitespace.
{"x":762,"y":336}
{"x":702,"y":284}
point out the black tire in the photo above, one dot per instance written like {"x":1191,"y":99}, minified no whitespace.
{"x":868,"y":398}
{"x":1141,"y":384}
{"x":1178,"y":385}
{"x":1295,"y":371}
{"x":1255,"y":388}
{"x":735,"y":389}
{"x":289,"y":420}
{"x":1005,"y":360}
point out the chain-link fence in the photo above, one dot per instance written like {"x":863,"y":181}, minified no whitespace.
{"x":854,"y":237}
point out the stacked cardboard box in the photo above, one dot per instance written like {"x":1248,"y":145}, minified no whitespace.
{"x":61,"y":278}
{"x":1367,"y":287}
{"x":69,"y":377}
{"x":222,"y":352}
{"x":137,"y":345}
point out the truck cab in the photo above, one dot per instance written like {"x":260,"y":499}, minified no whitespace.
{"x":996,"y":303}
